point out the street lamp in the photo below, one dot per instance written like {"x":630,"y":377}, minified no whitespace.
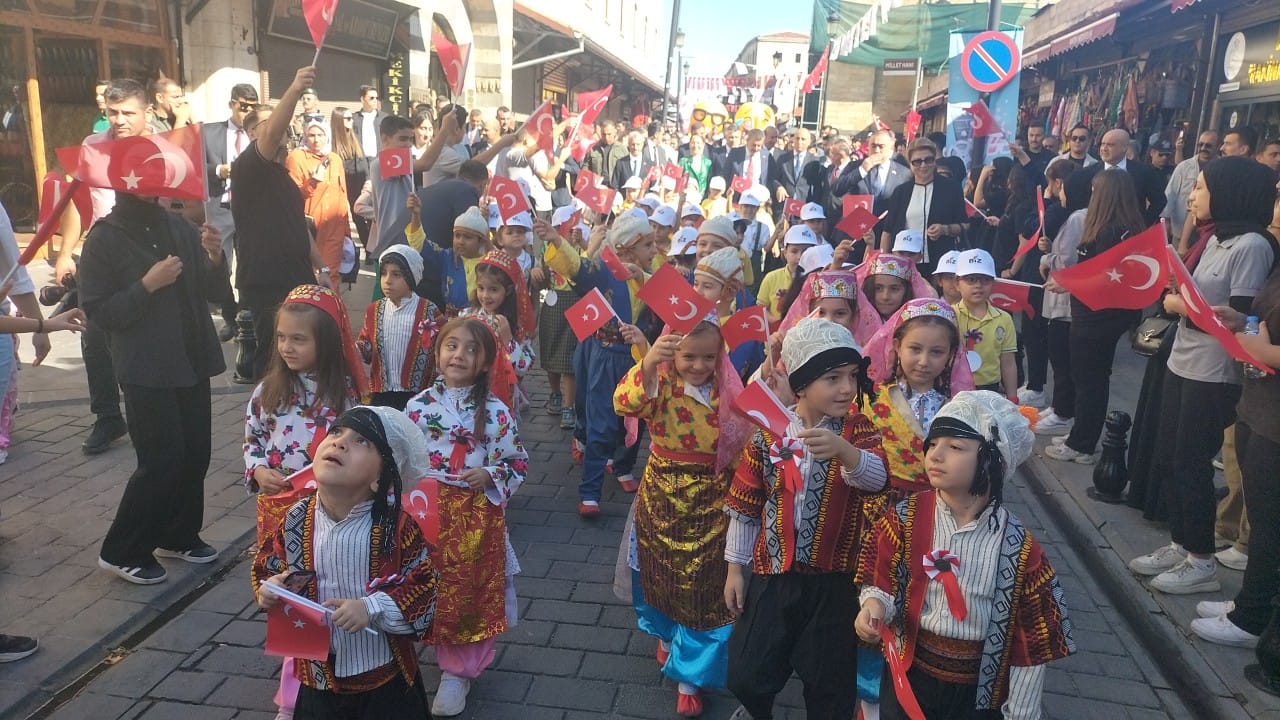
{"x":675,"y":38}
{"x":833,"y":23}
{"x":680,"y":80}
{"x":679,"y":43}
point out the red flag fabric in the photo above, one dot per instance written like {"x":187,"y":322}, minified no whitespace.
{"x":983,"y":123}
{"x":971,"y":210}
{"x":857,"y":223}
{"x":814,"y":78}
{"x":672,"y":171}
{"x":567,"y":226}
{"x":898,"y":672}
{"x":740,"y":184}
{"x":597,"y":198}
{"x":586,"y":179}
{"x":1025,"y":247}
{"x":849,"y":202}
{"x":580,"y":142}
{"x":1202,"y":315}
{"x":542,"y":127}
{"x":453,"y":60}
{"x":589,"y":314}
{"x":882,"y":125}
{"x":168,"y":164}
{"x":296,"y":631}
{"x":747,"y":325}
{"x":56,"y":185}
{"x":591,"y":104}
{"x":758,"y":404}
{"x":912,"y":126}
{"x":395,"y":162}
{"x":422,"y":505}
{"x":510,"y":198}
{"x":793,"y":207}
{"x":673,"y":299}
{"x":319,"y":16}
{"x":650,"y":178}
{"x":1012,"y":296}
{"x":1130,"y":275}
{"x":610,"y":258}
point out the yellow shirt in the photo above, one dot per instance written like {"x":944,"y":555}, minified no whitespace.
{"x":681,"y":418}
{"x":415,"y":237}
{"x":773,"y":288}
{"x":986,"y":339}
{"x":659,"y":259}
{"x":568,"y":264}
{"x":715,"y":208}
{"x":748,"y":275}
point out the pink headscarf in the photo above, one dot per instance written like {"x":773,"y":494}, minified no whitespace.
{"x":843,"y":284}
{"x":884,"y":359}
{"x":879,"y":263}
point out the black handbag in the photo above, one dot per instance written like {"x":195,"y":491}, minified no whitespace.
{"x":1150,"y":333}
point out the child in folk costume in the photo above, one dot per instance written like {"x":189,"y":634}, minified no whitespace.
{"x":313,"y":375}
{"x":456,"y":265}
{"x":718,"y":277}
{"x":796,"y":515}
{"x":502,"y":300}
{"x":976,"y":640}
{"x":891,"y":280}
{"x":832,"y":295}
{"x":684,"y":388}
{"x":474,"y":452}
{"x":556,"y":341}
{"x":399,"y":330}
{"x":602,"y":360}
{"x":512,"y":237}
{"x":371,"y":566}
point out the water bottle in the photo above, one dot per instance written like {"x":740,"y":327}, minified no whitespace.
{"x":1251,"y":328}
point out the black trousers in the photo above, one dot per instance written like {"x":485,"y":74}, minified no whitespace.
{"x":393,"y":701}
{"x":1064,"y":388}
{"x":940,"y":700}
{"x":1193,"y":417}
{"x":163,"y":503}
{"x":1034,"y":339}
{"x":1259,"y":457}
{"x":393,"y":399}
{"x":800,"y":623}
{"x":1093,"y":351}
{"x":263,"y":303}
{"x":104,"y":392}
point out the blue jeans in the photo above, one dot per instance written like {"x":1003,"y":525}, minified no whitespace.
{"x":599,"y":369}
{"x":6,"y":363}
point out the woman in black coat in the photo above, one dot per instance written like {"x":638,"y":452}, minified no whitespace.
{"x":931,"y":204}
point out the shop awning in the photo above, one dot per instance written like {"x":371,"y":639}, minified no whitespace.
{"x":1095,"y":30}
{"x":932,"y":101}
{"x":1176,"y":5}
{"x":593,"y":47}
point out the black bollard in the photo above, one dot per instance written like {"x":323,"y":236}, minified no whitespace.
{"x":1266,"y":674}
{"x":1111,"y":474}
{"x":248,"y":345}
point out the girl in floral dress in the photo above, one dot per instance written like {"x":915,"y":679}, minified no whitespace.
{"x":502,"y":299}
{"x":477,"y":461}
{"x":314,"y":374}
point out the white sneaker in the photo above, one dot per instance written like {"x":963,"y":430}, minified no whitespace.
{"x":1222,"y":631}
{"x":1217,"y":465}
{"x":1214,"y":608}
{"x":1034,"y":398}
{"x":1232,"y":558}
{"x":1051,"y":424}
{"x":1187,"y":578}
{"x":1059,"y":439}
{"x":1066,"y":454}
{"x":1154,"y":563}
{"x":451,"y":696}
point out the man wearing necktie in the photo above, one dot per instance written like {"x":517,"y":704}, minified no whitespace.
{"x":223,"y":143}
{"x":1148,"y":183}
{"x":791,"y":165}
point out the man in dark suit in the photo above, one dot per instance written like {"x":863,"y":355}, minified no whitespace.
{"x":1148,"y":183}
{"x":366,"y":121}
{"x":753,"y":162}
{"x":223,"y":142}
{"x":791,"y":165}
{"x":634,"y":163}
{"x":878,"y":175}
{"x":829,"y":182}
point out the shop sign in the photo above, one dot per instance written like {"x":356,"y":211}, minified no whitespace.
{"x":905,"y":67}
{"x":1251,"y":59}
{"x":358,"y":27}
{"x":396,"y":82}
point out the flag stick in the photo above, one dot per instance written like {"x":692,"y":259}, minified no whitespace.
{"x":45,"y":231}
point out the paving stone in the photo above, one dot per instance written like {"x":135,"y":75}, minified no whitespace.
{"x":139,"y":672}
{"x":247,"y":693}
{"x":1115,"y":690}
{"x":572,"y":693}
{"x":241,"y":632}
{"x":547,"y":661}
{"x":185,"y":686}
{"x":195,"y":628}
{"x":165,"y":710}
{"x":93,"y":705}
{"x":562,"y":611}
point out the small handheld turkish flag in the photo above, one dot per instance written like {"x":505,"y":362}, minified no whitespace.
{"x":297,"y":631}
{"x":54,"y":186}
{"x":898,"y":672}
{"x":849,"y":202}
{"x":319,"y":16}
{"x":598,"y":198}
{"x":1130,"y":275}
{"x":857,"y":223}
{"x":793,"y":207}
{"x":650,"y":178}
{"x":672,"y":171}
{"x":673,"y":299}
{"x":971,"y":210}
{"x":1013,"y":296}
{"x":740,"y":184}
{"x":983,"y":123}
{"x":165,"y":164}
{"x":1201,"y":314}
{"x":510,"y":198}
{"x":750,"y":324}
{"x":395,"y":162}
{"x":566,"y":227}
{"x":610,"y":258}
{"x":422,"y":504}
{"x":1031,"y":242}
{"x":453,"y":59}
{"x":581,"y":141}
{"x":586,"y":179}
{"x":590,"y":104}
{"x":542,"y":127}
{"x":758,"y":404}
{"x":589,"y":314}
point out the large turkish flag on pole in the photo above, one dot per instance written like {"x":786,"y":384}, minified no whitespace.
{"x":1130,"y":275}
{"x":168,"y":164}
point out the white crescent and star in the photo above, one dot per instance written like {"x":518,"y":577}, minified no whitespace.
{"x":693,"y":309}
{"x":327,"y":11}
{"x":758,"y":325}
{"x":421,"y":514}
{"x":173,"y":163}
{"x":502,"y":200}
{"x":1001,"y":297}
{"x":1150,"y":264}
{"x":131,"y":180}
{"x":398,"y":161}
{"x":758,"y":417}
{"x":1186,"y":299}
{"x":594,"y":313}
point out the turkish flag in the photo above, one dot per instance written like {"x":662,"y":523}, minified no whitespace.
{"x":814,"y":77}
{"x":983,"y":123}
{"x":395,"y":162}
{"x":453,"y":60}
{"x":898,"y":673}
{"x":1201,"y":314}
{"x":670,"y":296}
{"x":857,"y":223}
{"x":1025,"y":247}
{"x":591,"y":104}
{"x":586,"y":179}
{"x":1130,"y":275}
{"x":581,"y":141}
{"x":793,"y":207}
{"x":740,"y":184}
{"x":422,"y":504}
{"x":1013,"y":296}
{"x":589,"y":314}
{"x":650,"y":178}
{"x":758,"y":404}
{"x":567,"y":226}
{"x":610,"y":258}
{"x":510,"y":198}
{"x":912,"y":126}
{"x":598,"y":198}
{"x":673,"y":171}
{"x":849,"y":202}
{"x":319,"y":16}
{"x":300,"y":484}
{"x":750,"y":324}
{"x":168,"y":164}
{"x":971,"y":210}
{"x":542,"y":128}
{"x":54,"y":187}
{"x":297,"y":631}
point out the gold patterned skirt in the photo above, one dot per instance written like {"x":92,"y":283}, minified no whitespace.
{"x":471,"y":594}
{"x":680,"y":536}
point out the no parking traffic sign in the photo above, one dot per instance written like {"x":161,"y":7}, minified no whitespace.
{"x":990,"y":61}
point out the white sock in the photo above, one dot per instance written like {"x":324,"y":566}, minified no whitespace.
{"x":870,"y":711}
{"x":1202,"y":563}
{"x":688,"y":689}
{"x":591,"y":503}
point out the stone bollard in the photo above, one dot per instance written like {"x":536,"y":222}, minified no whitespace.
{"x":248,"y":345}
{"x":1111,"y":474}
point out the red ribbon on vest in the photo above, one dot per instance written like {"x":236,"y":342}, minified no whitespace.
{"x":940,"y":565}
{"x":786,"y":454}
{"x":463,"y":442}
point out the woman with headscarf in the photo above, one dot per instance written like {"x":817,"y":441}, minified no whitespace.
{"x":1203,"y":385}
{"x":320,"y":176}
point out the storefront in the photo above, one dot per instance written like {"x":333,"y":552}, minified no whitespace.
{"x":1249,"y":80}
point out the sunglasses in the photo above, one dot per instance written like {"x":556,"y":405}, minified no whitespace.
{"x":1079,"y":138}
{"x":1204,"y":145}
{"x":247,"y":106}
{"x":917,"y":162}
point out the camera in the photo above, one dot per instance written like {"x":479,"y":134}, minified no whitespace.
{"x":64,"y":293}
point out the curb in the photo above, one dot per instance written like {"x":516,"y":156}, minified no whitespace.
{"x":83,"y":400}
{"x":1169,"y":650}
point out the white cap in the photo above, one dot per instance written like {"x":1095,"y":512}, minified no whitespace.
{"x":947,"y":263}
{"x":817,"y":257}
{"x":664,"y":215}
{"x":562,"y":214}
{"x":717,"y":183}
{"x":812,"y":337}
{"x":734,"y":216}
{"x":684,"y":243}
{"x":632,"y":183}
{"x":520,"y":219}
{"x":996,"y":419}
{"x":637,"y":212}
{"x":911,"y":241}
{"x":975,"y":262}
{"x":756,"y":195}
{"x":693,"y":195}
{"x":799,"y":235}
{"x":650,"y":201}
{"x":691,"y":209}
{"x":812,"y":211}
